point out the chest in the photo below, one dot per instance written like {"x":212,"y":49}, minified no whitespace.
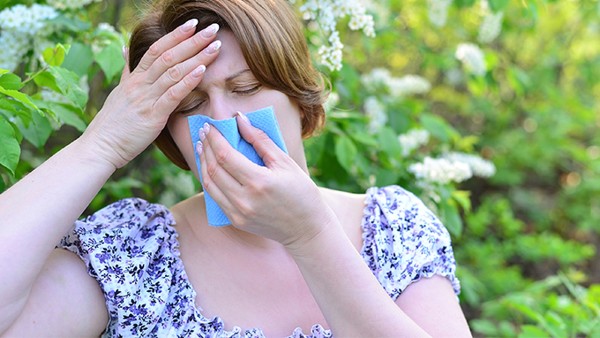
{"x":250,"y":290}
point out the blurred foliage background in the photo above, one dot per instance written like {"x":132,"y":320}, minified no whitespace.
{"x":488,"y":110}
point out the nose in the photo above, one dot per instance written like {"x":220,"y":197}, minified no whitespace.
{"x":221,"y":108}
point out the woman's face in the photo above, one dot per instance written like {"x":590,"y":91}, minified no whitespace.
{"x":229,"y":86}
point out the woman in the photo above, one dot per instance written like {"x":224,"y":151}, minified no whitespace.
{"x":297,"y":259}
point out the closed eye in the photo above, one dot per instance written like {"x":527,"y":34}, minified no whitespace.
{"x":247,"y":90}
{"x":190,"y":108}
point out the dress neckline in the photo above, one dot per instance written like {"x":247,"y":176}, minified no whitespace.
{"x":236,"y":330}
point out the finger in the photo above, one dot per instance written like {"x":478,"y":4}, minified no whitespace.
{"x":221,"y":157}
{"x":182,"y":51}
{"x":176,"y":73}
{"x":268,"y":151}
{"x":165,"y":43}
{"x":238,"y":166}
{"x":209,"y":185}
{"x":171,"y":98}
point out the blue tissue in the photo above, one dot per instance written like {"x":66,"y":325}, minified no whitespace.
{"x":263,"y":119}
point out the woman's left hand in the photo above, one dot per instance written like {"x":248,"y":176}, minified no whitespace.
{"x":278,"y":201}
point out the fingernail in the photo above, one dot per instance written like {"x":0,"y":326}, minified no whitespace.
{"x":206,"y":128}
{"x":199,"y":70}
{"x":189,"y":25}
{"x":243,"y":117}
{"x":210,"y":30}
{"x":213,"y":47}
{"x":124,"y":51}
{"x":199,"y":148}
{"x":202,"y":135}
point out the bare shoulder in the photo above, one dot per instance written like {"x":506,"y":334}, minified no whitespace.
{"x":349,"y":208}
{"x":64,"y":301}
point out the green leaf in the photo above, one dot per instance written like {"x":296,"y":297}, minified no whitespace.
{"x":111,"y":61}
{"x":10,"y":151}
{"x":451,"y":218}
{"x":38,"y":132}
{"x":12,"y":108}
{"x":437,"y":127}
{"x":530,"y":331}
{"x":23,"y":98}
{"x":345,"y":151}
{"x":498,"y":5}
{"x":10,"y":81}
{"x":388,"y":141}
{"x":54,"y":56}
{"x":67,"y":83}
{"x":79,"y":59}
{"x":462,"y":197}
{"x":65,"y":113}
{"x":464,"y":3}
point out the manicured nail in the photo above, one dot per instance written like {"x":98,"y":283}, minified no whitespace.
{"x":199,"y":71}
{"x":213,"y":47}
{"x":199,"y":148}
{"x":189,"y":25}
{"x":243,"y":117}
{"x":210,"y":30}
{"x":202,"y":135}
{"x":206,"y":128}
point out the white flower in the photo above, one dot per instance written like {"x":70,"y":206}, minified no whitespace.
{"x":412,"y":140}
{"x":332,"y":100}
{"x":472,"y":58}
{"x":380,"y":78}
{"x":409,"y":85}
{"x":490,"y":27}
{"x":441,"y":170}
{"x":375,"y":110}
{"x":327,"y":13}
{"x":14,"y":46}
{"x":377,"y":78}
{"x":479,"y":166}
{"x":70,"y":4}
{"x":26,"y":20}
{"x":438,"y":11}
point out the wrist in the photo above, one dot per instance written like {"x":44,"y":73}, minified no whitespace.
{"x":93,"y":153}
{"x":310,"y":244}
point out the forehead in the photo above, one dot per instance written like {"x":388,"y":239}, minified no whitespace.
{"x":230,"y":61}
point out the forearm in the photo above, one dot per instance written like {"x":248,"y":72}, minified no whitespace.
{"x":351,"y":298}
{"x":37,"y":211}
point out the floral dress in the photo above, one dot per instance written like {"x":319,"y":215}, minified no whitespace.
{"x":131,"y":249}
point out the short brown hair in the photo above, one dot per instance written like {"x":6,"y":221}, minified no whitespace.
{"x":271,"y":40}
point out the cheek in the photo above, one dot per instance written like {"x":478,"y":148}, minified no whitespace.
{"x":180,"y":132}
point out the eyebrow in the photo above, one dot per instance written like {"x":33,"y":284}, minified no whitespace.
{"x":241,"y":72}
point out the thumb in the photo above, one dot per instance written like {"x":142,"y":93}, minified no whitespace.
{"x":268,"y":151}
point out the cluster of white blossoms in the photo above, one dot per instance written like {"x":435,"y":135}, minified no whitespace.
{"x":437,"y":11}
{"x":332,"y":100}
{"x":375,"y":111}
{"x":479,"y":166}
{"x":409,"y":85}
{"x":381,"y":78}
{"x":20,"y":27}
{"x":491,"y":26}
{"x":327,"y":13}
{"x":441,"y":170}
{"x":69,"y":4}
{"x":472,"y":58}
{"x":412,"y":140}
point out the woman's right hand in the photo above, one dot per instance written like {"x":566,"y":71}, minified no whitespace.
{"x":138,"y":109}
